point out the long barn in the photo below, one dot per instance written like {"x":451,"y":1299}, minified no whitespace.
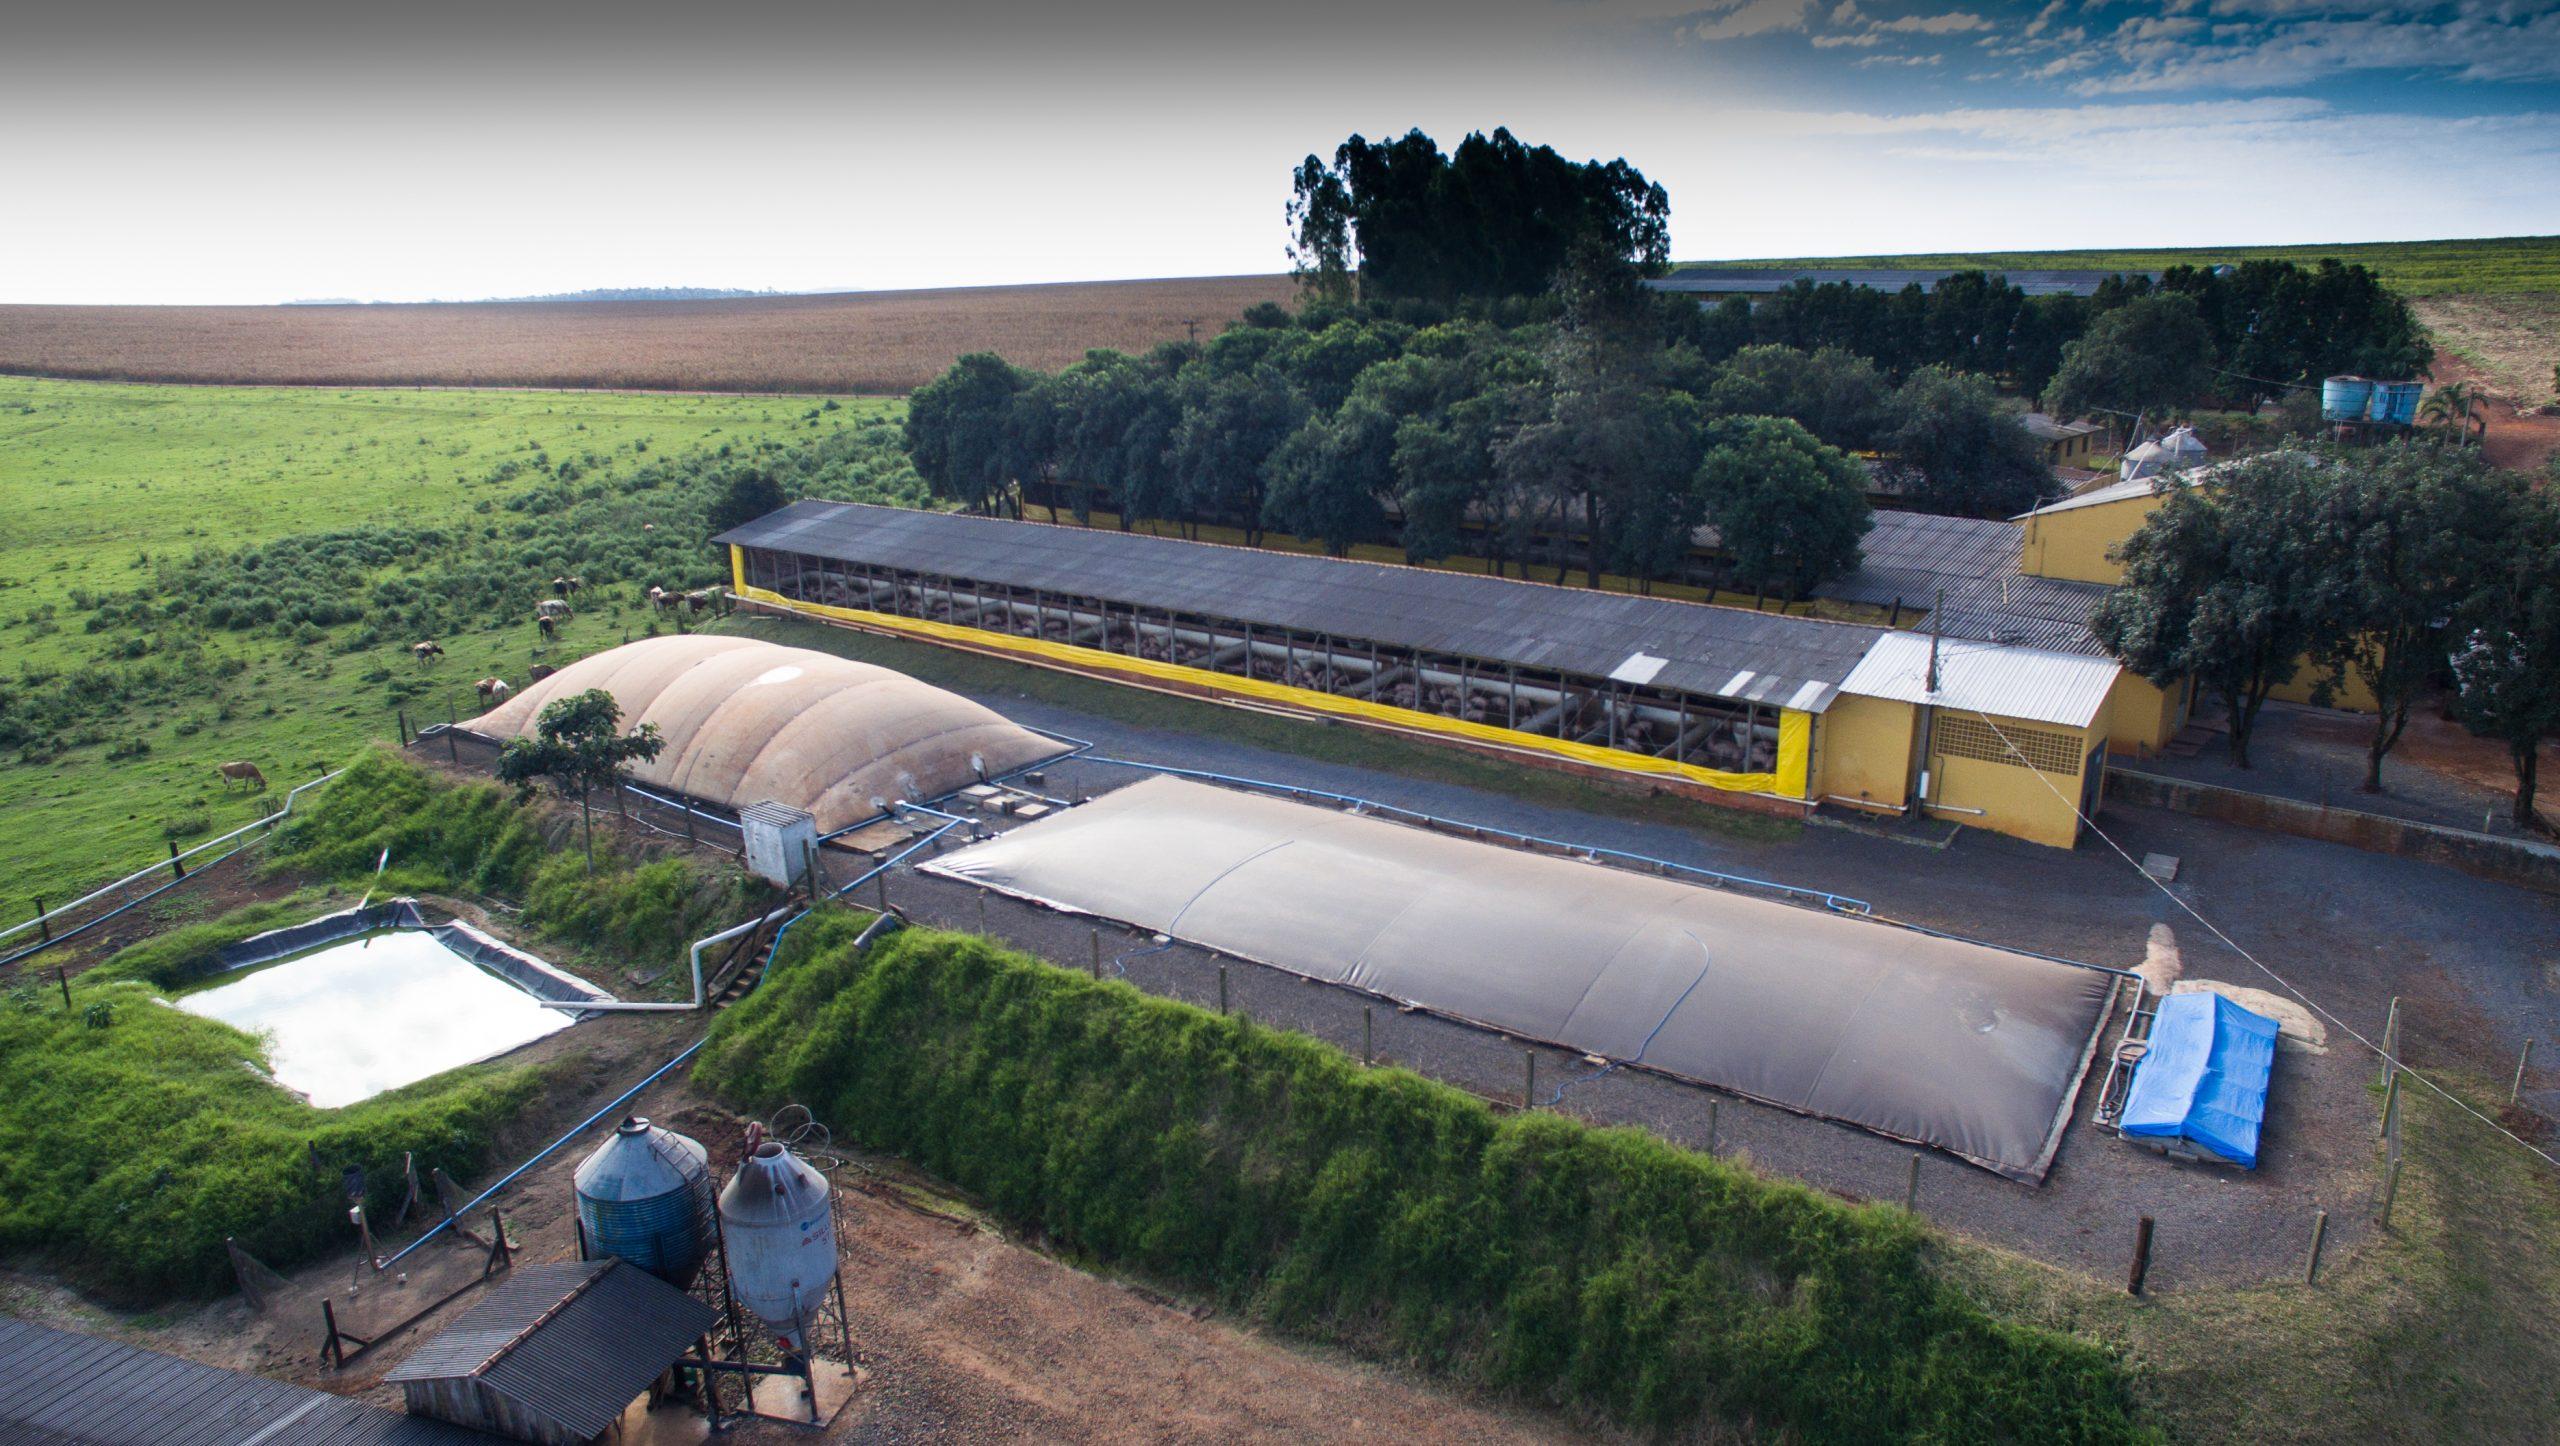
{"x":1724,"y":704}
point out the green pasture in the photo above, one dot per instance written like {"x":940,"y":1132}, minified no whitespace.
{"x":2418,"y":268}
{"x":142,"y":527}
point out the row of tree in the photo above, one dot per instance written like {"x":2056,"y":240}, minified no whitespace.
{"x":1587,"y":433}
{"x":2400,"y":566}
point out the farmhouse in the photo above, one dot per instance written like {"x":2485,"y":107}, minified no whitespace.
{"x":1757,"y":710}
{"x":2065,"y":443}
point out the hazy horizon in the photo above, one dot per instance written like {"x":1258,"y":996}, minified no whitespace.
{"x":285,"y":150}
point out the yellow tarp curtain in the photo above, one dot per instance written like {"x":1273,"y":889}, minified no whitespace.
{"x":1795,"y":729}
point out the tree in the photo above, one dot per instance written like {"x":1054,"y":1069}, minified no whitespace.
{"x":2405,"y":536}
{"x":1495,"y":218}
{"x":1220,"y":452}
{"x":2150,"y":355}
{"x":2458,"y":405}
{"x":2217,"y":585}
{"x":748,"y":494}
{"x":577,"y":749}
{"x":1326,"y":479}
{"x":1958,"y":450}
{"x":1837,"y":395}
{"x":2507,"y":671}
{"x":1788,"y":511}
{"x":958,"y":430}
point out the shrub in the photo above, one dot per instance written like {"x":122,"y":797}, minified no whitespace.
{"x":1600,"y":1270}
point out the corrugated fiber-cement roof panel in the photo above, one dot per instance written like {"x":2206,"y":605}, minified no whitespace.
{"x":1708,"y":651}
{"x":2006,"y":682}
{"x":60,"y":1386}
{"x":1909,"y":557}
{"x":572,"y":1341}
{"x":1976,"y":1050}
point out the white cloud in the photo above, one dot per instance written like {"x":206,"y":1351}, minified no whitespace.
{"x":1954,"y":22}
{"x":1846,"y":13}
{"x":2480,"y":42}
{"x":1860,"y":39}
{"x":1899,"y":60}
{"x":1754,"y":17}
{"x":2045,"y":17}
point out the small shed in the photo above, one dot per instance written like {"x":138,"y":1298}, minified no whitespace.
{"x":555,"y":1353}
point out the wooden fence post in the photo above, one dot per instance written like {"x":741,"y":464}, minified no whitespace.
{"x":1222,"y":989}
{"x":1097,"y":953}
{"x":2391,"y":1039}
{"x":2524,"y":1062}
{"x":1712,"y":1103}
{"x":2319,"y":1235}
{"x":1529,"y":1079}
{"x":1368,"y":1018}
{"x":2141,"y":1257}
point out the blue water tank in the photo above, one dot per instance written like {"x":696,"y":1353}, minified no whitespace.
{"x":2344,"y":399}
{"x":645,"y":1195}
{"x":2394,"y":403}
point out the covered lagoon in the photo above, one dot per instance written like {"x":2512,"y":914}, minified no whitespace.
{"x":350,"y":1020}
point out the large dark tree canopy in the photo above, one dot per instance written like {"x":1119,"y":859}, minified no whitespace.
{"x":1496,"y":218}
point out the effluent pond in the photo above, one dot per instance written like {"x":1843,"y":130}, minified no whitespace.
{"x":346,"y":1022}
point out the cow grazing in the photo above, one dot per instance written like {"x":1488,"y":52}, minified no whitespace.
{"x":492,"y":691}
{"x":540,"y":671}
{"x":552,"y":607}
{"x":241,"y":772}
{"x":549,"y":628}
{"x":702,"y":599}
{"x":660,"y":599}
{"x":428,"y":651}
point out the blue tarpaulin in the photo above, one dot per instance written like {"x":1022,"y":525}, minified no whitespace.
{"x":2204,"y":1079}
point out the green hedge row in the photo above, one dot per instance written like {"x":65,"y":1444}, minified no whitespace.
{"x":1601,"y":1271}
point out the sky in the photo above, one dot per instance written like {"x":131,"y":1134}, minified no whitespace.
{"x":272,"y":150}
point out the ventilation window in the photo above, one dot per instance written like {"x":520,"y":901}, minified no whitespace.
{"x":2049,"y":751}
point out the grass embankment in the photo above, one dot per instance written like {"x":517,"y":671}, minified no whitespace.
{"x":193,"y":576}
{"x":2417,"y":268}
{"x":2439,"y":1329}
{"x":133,"y":1141}
{"x":1600,"y":1271}
{"x":995,"y":679}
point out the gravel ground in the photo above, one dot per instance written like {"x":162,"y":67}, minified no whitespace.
{"x":2476,"y":962}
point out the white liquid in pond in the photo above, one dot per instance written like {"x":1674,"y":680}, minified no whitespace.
{"x":347,"y":1022}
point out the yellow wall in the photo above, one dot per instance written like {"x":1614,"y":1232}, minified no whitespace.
{"x":2141,"y":717}
{"x":2013,"y":798}
{"x":1866,"y":749}
{"x":2352,"y":695}
{"x":2072,"y":545}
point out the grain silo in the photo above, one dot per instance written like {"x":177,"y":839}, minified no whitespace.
{"x":645,"y":1196}
{"x":778,"y":1223}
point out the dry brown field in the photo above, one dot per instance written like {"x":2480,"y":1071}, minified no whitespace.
{"x":881,"y":342}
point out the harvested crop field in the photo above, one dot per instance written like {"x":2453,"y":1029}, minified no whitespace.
{"x":878,"y":342}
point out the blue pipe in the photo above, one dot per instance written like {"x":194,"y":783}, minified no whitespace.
{"x":1839,"y":903}
{"x":546,"y":1152}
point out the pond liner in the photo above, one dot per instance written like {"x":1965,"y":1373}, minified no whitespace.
{"x":535,"y":977}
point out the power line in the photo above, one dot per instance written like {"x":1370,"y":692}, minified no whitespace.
{"x":2289,"y":987}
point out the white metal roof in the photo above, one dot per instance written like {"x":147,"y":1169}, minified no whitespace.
{"x":1996,"y":678}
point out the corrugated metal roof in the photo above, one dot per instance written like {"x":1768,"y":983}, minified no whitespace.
{"x":573,"y":1341}
{"x":2026,"y":611}
{"x":1907,"y":557}
{"x":2053,"y":429}
{"x":1761,"y":281}
{"x":61,"y":1386}
{"x":1707,"y":651}
{"x":2029,"y":683}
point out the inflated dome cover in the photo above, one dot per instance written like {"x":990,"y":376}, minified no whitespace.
{"x":746,"y":721}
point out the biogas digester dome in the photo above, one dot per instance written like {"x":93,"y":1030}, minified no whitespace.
{"x":779,"y":1228}
{"x":746,"y":721}
{"x":645,"y":1195}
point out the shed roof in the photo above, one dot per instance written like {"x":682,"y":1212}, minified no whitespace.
{"x":2053,"y":429}
{"x":1708,"y":651}
{"x":1907,"y":557}
{"x":62,"y":1386}
{"x":2029,"y":683}
{"x":2027,"y":611}
{"x":572,"y":1341}
{"x":1762,"y":281}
